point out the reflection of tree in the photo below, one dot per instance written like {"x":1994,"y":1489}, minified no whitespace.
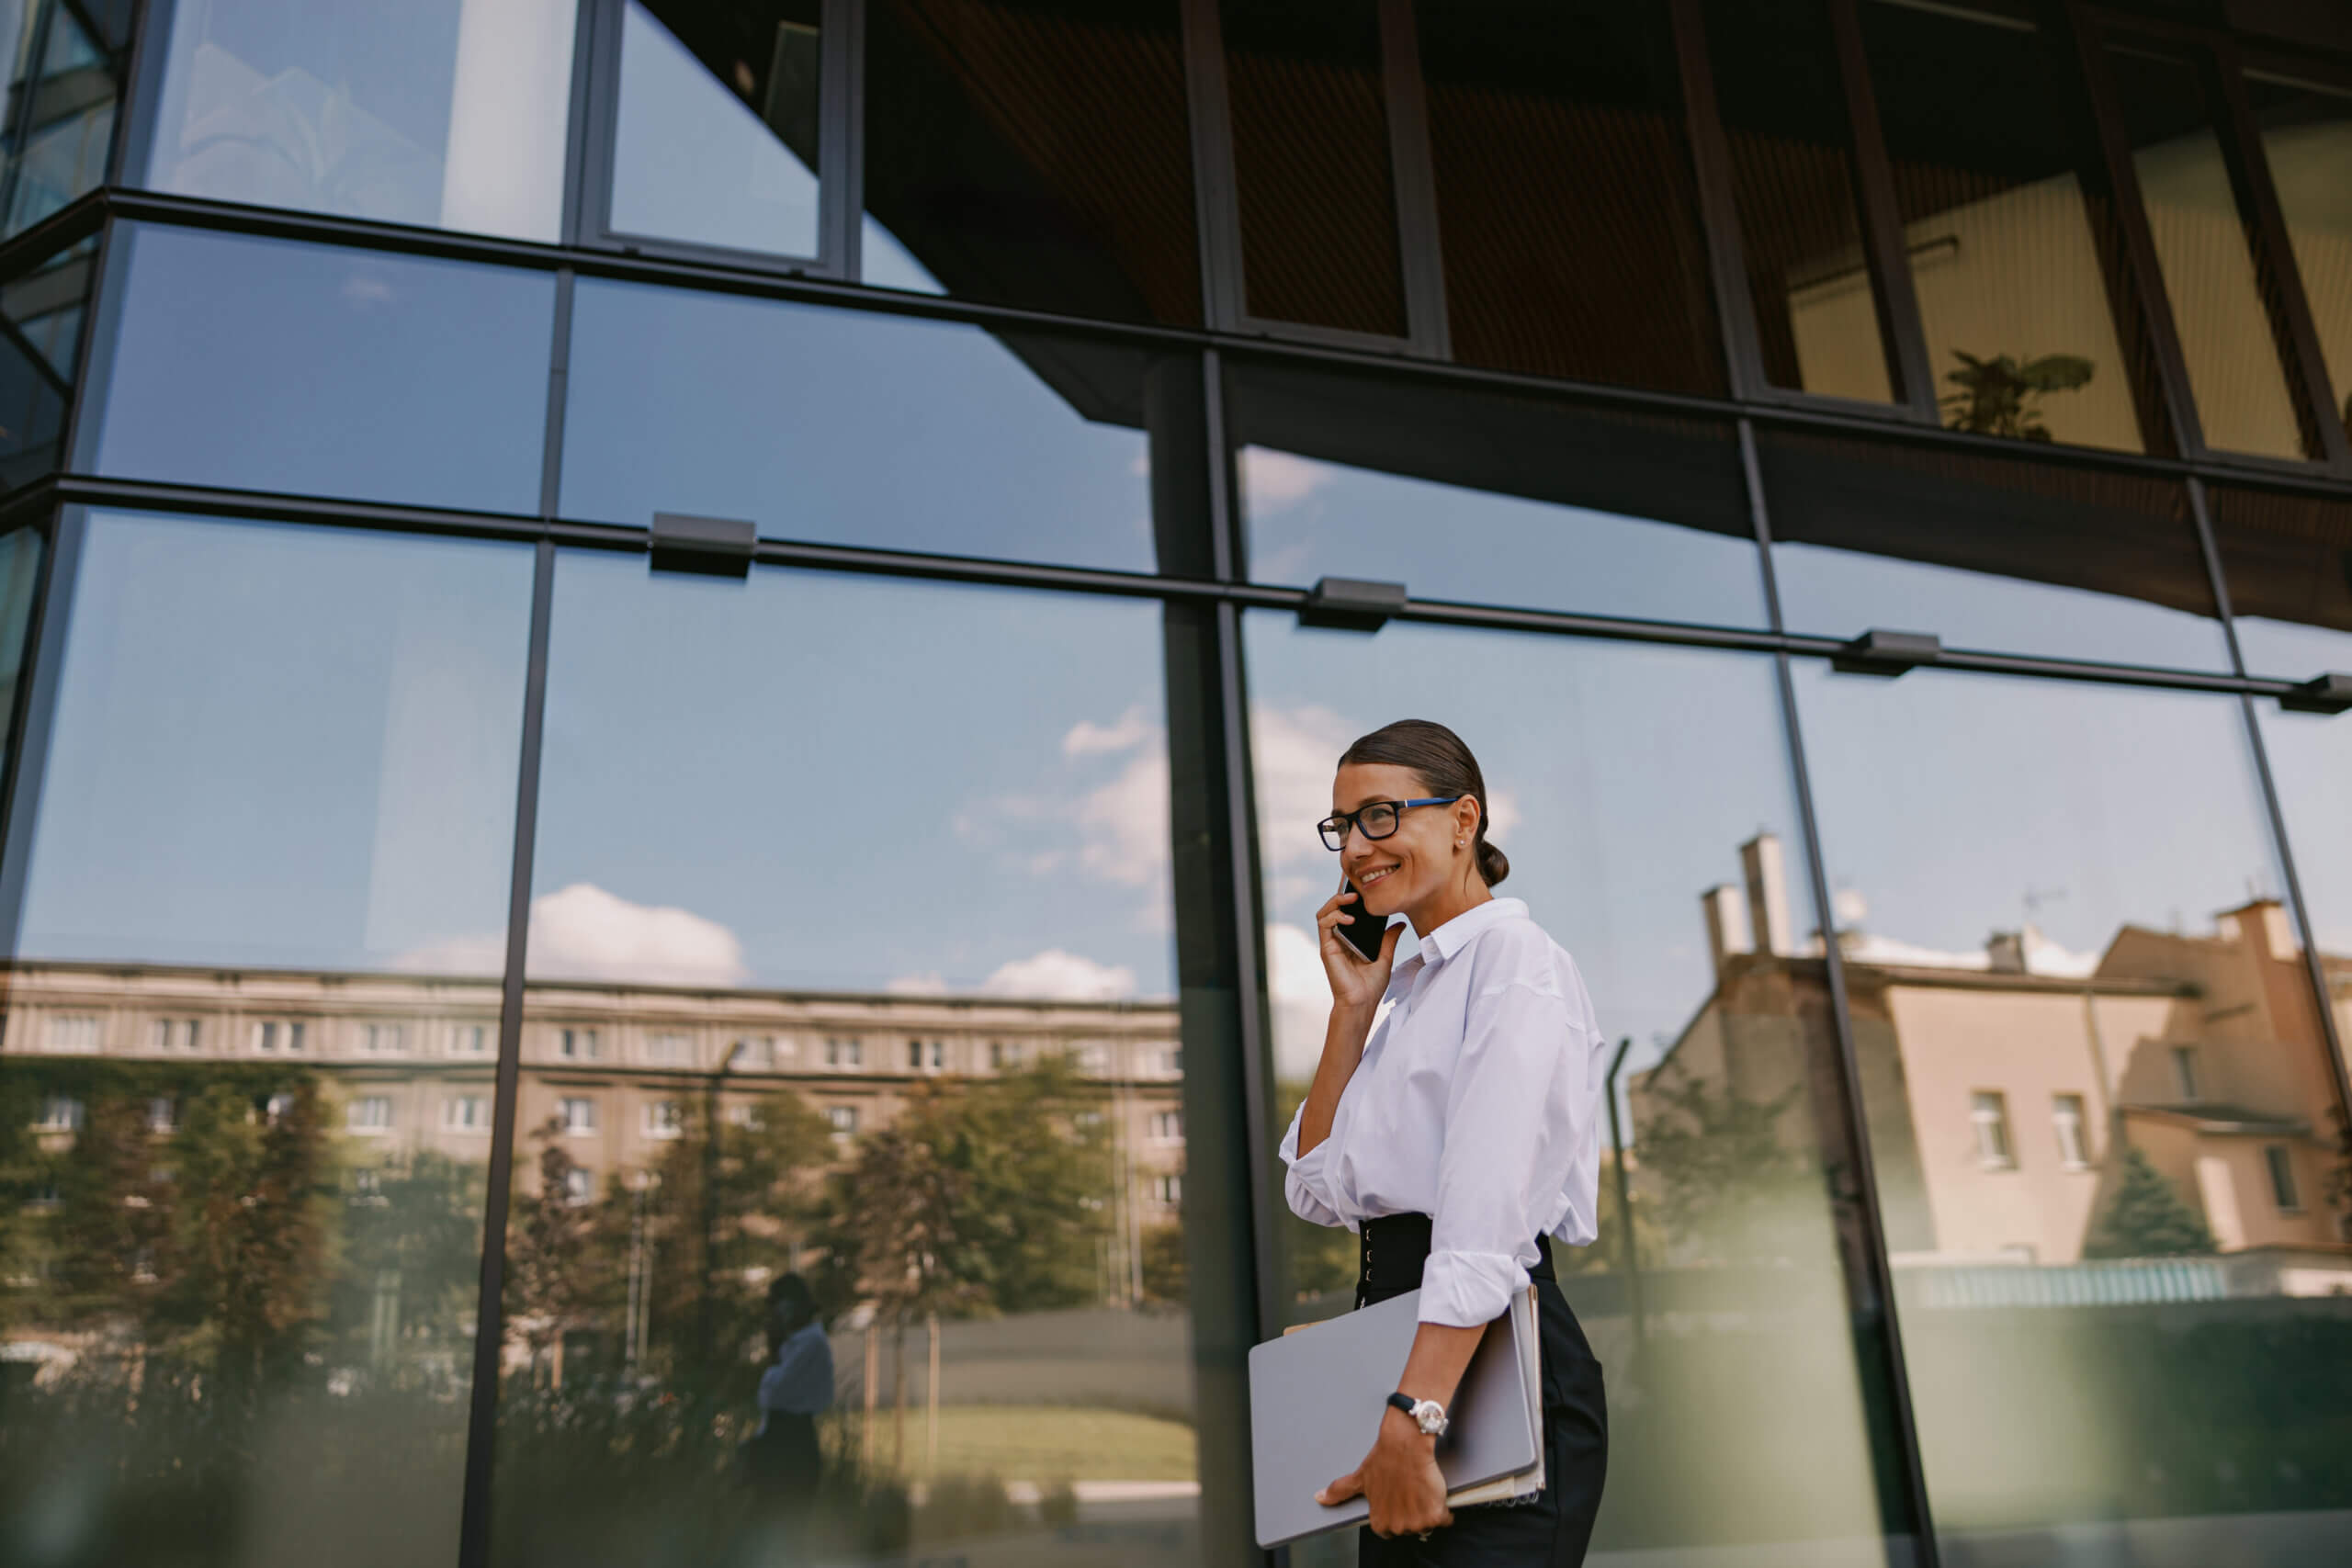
{"x":547,"y":1231}
{"x":2002,"y":396}
{"x":2339,"y":1174}
{"x":1323,"y":1259}
{"x":2146,"y":1218}
{"x":1732,"y":1189}
{"x":1163,"y":1265}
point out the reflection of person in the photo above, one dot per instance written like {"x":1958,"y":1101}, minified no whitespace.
{"x":1452,"y":1122}
{"x":782,"y":1455}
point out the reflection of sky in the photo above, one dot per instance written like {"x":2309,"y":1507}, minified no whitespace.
{"x":2311,"y":760}
{"x":839,"y":426}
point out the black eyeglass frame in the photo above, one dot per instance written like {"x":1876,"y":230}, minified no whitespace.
{"x":1340,"y":822}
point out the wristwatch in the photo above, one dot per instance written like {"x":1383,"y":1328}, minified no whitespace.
{"x":1427,"y":1414}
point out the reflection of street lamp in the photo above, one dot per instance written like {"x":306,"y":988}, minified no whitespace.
{"x":707,"y":1308}
{"x":1624,"y":1191}
{"x":641,"y":1271}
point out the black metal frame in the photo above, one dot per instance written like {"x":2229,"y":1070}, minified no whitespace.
{"x":1204,"y":583}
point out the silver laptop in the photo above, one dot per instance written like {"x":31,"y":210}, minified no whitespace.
{"x":1317,"y":1396}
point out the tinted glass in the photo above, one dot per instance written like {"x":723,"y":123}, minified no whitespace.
{"x":1031,"y":152}
{"x":1313,"y":169}
{"x":388,"y":377}
{"x":39,"y":349}
{"x":2289,"y":562}
{"x":2010,"y":259}
{"x":894,"y":1018}
{"x":1489,"y":500}
{"x":1564,"y":193}
{"x":2311,"y":756}
{"x":854,"y":428}
{"x":1987,"y":553}
{"x":441,"y":113}
{"x":1784,"y":109}
{"x":1725,"y":1331}
{"x":716,"y":135}
{"x":2217,"y":304}
{"x":2307,"y":139}
{"x":243,"y":1234}
{"x":65,"y":80}
{"x":2048,"y":890}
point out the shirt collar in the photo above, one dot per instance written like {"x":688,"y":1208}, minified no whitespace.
{"x":1460,"y":931}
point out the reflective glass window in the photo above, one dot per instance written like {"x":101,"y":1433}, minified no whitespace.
{"x":716,"y":141}
{"x":1495,"y":501}
{"x":2217,"y":304}
{"x":2044,"y":888}
{"x":1031,"y":152}
{"x":1666,"y":859}
{"x":921,"y":850}
{"x":280,"y":783}
{"x":854,"y":428}
{"x":449,"y":114}
{"x":1565,"y":196}
{"x":61,"y":101}
{"x":2011,"y":259}
{"x":2307,"y":140}
{"x":2287,"y":560}
{"x":382,"y":377}
{"x":1987,"y":553}
{"x":41,"y":310}
{"x":1784,"y":109}
{"x":1312,"y":165}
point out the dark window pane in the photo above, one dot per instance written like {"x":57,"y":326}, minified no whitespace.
{"x":2047,"y":888}
{"x":1634,"y":845}
{"x":1988,"y":553}
{"x":1564,"y":199}
{"x":854,"y":428}
{"x":40,"y":342}
{"x":1031,"y":152}
{"x":716,"y":137}
{"x":1784,"y":109}
{"x":383,"y":377}
{"x":2225,"y":322}
{"x":63,"y":151}
{"x":671,"y":1177}
{"x":2288,"y":561}
{"x":1312,"y":166}
{"x":1494,"y":499}
{"x":450,"y":114}
{"x":2011,"y":260}
{"x":2307,"y":139}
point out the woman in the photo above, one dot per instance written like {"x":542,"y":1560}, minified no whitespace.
{"x":782,"y":1456}
{"x":1452,"y":1122}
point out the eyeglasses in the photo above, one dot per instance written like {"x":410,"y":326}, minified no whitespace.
{"x":1377,"y":819}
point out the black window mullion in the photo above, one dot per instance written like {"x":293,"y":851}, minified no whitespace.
{"x":1718,"y":207}
{"x":841,"y":148}
{"x":1900,"y":335}
{"x":1419,"y":252}
{"x":1216,"y":196}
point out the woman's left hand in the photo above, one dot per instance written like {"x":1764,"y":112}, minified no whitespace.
{"x":1399,"y":1478}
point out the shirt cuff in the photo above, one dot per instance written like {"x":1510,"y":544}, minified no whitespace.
{"x":1303,"y":1188}
{"x":1469,"y":1290}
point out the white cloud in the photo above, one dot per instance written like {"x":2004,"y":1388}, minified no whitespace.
{"x":1058,"y":975}
{"x":1300,"y":996}
{"x":1122,"y":825}
{"x":931,"y":983}
{"x":365,"y":289}
{"x":1295,"y":751}
{"x":1273,"y":482}
{"x":1086,"y":739}
{"x":583,"y":933}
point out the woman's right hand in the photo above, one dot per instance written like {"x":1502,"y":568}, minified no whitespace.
{"x":1357,"y":983}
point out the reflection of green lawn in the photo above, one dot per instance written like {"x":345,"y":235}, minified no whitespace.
{"x":1045,"y":1443}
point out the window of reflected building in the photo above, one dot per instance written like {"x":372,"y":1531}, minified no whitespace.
{"x":275,"y":809}
{"x":447,"y":113}
{"x":41,"y":310}
{"x":2307,"y":142}
{"x":61,"y":101}
{"x":1667,"y":860}
{"x":846,"y":838}
{"x":2012,"y":260}
{"x":2051,"y":894}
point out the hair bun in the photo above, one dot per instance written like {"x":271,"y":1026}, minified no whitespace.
{"x":1493,"y":864}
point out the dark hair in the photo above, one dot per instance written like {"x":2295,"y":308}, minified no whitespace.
{"x":1445,"y":765}
{"x":791,"y":1303}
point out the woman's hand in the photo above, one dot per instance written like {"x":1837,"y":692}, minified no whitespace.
{"x":1357,"y":983}
{"x":1399,"y":1478}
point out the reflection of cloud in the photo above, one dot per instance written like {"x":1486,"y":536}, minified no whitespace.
{"x":1086,"y":738}
{"x":1114,"y":831}
{"x":1122,"y":825}
{"x":583,"y":933}
{"x":363,"y":290}
{"x":1057,"y":976}
{"x":1273,"y":481}
{"x":1300,"y":996}
{"x":931,"y":983}
{"x":1294,"y":751}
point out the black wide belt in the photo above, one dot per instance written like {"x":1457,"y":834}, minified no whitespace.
{"x":1395,"y":1246}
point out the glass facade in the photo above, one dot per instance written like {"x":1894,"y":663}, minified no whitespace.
{"x":664,"y":695}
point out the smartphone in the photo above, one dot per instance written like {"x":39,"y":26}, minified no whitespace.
{"x":1364,"y":936}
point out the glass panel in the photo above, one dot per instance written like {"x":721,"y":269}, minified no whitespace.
{"x":2287,"y":560}
{"x":383,"y":377}
{"x":2046,"y":888}
{"x":40,"y":343}
{"x":1737,"y":1401}
{"x":855,"y":428}
{"x":21,"y":554}
{"x":716,"y":135}
{"x":2010,"y":259}
{"x":2307,"y":139}
{"x":1565,"y":196}
{"x":1784,"y":109}
{"x":1987,"y":553}
{"x":1490,"y":499}
{"x":2217,"y":305}
{"x":990,"y":129}
{"x":70,"y":126}
{"x":1313,"y":172}
{"x":242,"y":1238}
{"x":731,"y":989}
{"x":450,"y":114}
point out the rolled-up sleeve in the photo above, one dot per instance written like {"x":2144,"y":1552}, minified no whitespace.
{"x":1515,"y":1115}
{"x":1310,"y":1197}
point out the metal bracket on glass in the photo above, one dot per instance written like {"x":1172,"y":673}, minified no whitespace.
{"x":1349,"y":604}
{"x":2331,"y":693}
{"x":1881,"y":652}
{"x":709,"y":546}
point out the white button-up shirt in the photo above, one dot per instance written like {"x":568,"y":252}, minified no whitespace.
{"x":1476,"y":1103}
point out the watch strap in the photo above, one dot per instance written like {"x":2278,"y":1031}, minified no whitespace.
{"x":1404,"y":1403}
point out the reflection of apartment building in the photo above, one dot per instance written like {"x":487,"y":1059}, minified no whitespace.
{"x":2001,"y":1086}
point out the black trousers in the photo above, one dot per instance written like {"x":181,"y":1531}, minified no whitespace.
{"x":1552,"y":1531}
